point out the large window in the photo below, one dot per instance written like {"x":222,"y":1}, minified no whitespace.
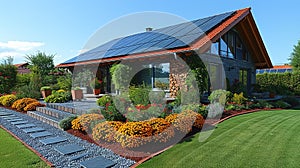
{"x":230,"y":45}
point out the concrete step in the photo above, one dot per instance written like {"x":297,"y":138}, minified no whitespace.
{"x":54,"y":112}
{"x":45,"y":118}
{"x":80,"y":107}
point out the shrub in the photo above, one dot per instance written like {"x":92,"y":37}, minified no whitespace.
{"x":157,"y":97}
{"x":171,"y":118}
{"x":220,"y":96}
{"x":139,"y":95}
{"x":8,"y":100}
{"x":203,"y":111}
{"x":28,"y":91}
{"x":263,"y":104}
{"x":239,"y":98}
{"x":32,"y":106}
{"x":134,"y":134}
{"x":76,"y":125}
{"x":85,"y":120}
{"x":106,"y":131}
{"x":281,"y":104}
{"x":282,"y":83}
{"x":22,"y":103}
{"x":291,"y":100}
{"x":141,"y":112}
{"x":161,"y":130}
{"x":1,"y":99}
{"x":110,"y":113}
{"x":58,"y":97}
{"x":104,"y":100}
{"x":66,"y":123}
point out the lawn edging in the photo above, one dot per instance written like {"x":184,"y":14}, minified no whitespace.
{"x":29,"y":147}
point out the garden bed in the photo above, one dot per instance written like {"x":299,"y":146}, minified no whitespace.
{"x":137,"y":154}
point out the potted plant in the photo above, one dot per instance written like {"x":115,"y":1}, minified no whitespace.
{"x":77,"y":93}
{"x":96,"y":86}
{"x":46,"y":91}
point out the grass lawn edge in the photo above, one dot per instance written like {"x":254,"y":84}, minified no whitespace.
{"x":28,"y":147}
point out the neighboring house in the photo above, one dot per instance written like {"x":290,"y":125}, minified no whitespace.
{"x":231,"y":36}
{"x":276,"y":69}
{"x":22,"y":68}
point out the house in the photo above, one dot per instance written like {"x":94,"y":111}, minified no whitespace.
{"x":276,"y":69}
{"x":229,"y":44}
{"x":22,"y":68}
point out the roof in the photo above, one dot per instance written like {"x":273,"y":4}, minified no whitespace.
{"x":177,"y":38}
{"x":21,"y":64}
{"x":282,"y":67}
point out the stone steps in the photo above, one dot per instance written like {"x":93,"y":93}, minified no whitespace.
{"x":44,"y":118}
{"x":59,"y":143}
{"x":59,"y":114}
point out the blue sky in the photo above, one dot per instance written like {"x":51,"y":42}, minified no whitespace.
{"x":64,"y":27}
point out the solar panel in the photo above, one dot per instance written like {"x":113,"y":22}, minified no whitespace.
{"x":175,"y":36}
{"x":281,"y":70}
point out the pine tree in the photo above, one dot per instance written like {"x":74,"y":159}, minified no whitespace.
{"x":295,"y":57}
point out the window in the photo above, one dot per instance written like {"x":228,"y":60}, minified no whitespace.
{"x":243,"y":76}
{"x":161,"y":76}
{"x":230,"y":45}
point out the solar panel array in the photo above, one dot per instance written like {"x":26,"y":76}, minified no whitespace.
{"x":261,"y":71}
{"x":170,"y":37}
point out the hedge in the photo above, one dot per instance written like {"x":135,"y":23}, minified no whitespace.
{"x":280,"y":83}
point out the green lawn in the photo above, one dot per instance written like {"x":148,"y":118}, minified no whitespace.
{"x":262,"y":139}
{"x":13,"y":154}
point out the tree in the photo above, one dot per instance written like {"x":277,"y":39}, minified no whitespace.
{"x":295,"y":57}
{"x":41,"y":65}
{"x":8,"y":75}
{"x":42,"y":62}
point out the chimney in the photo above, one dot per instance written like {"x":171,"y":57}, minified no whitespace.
{"x":148,"y":29}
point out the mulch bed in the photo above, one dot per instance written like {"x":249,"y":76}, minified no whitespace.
{"x":138,"y":154}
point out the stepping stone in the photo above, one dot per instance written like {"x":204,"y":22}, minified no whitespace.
{"x":69,"y":149}
{"x":5,"y":114}
{"x":78,"y":156}
{"x":97,"y":162}
{"x":18,"y":122}
{"x":52,"y":140}
{"x":32,"y":130}
{"x":25,"y":126}
{"x":40,"y":134}
{"x":13,"y":120}
{"x":8,"y":116}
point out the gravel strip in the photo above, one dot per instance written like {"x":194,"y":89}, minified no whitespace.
{"x":57,"y":159}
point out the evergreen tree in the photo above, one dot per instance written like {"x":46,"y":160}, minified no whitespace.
{"x":295,"y":57}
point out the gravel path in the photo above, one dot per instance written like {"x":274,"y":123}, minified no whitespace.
{"x":57,"y":159}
